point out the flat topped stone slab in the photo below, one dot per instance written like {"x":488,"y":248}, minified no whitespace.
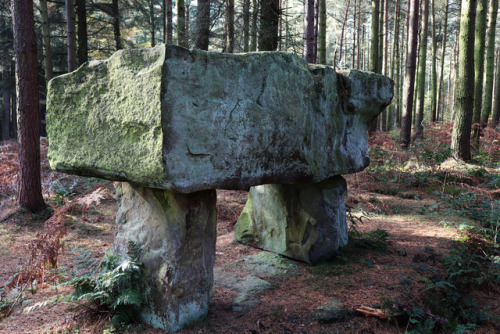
{"x":189,"y":120}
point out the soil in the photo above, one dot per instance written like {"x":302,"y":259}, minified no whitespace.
{"x":359,"y":276}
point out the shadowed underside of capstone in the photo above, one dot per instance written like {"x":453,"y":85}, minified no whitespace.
{"x":177,"y":124}
{"x":189,"y":120}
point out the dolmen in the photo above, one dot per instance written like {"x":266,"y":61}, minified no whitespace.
{"x":175,"y":124}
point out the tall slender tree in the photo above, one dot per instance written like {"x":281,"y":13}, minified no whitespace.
{"x":71,"y":36}
{"x":203,"y":25}
{"x":422,"y":62}
{"x":269,"y":23}
{"x":464,"y":86}
{"x":409,"y":80}
{"x":434,"y":89}
{"x":229,"y":36}
{"x":374,"y":37}
{"x":440,"y":103}
{"x":47,"y":47}
{"x":490,"y":63}
{"x":83,"y":47}
{"x":168,"y":31}
{"x":479,"y":50}
{"x":181,"y":24}
{"x":253,"y":25}
{"x":322,"y":32}
{"x":29,"y":183}
{"x":246,"y":25}
{"x":495,"y":119}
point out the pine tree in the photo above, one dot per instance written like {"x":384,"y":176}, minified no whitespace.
{"x":422,"y":62}
{"x":464,"y":86}
{"x":479,"y":50}
{"x":490,"y":63}
{"x":29,"y":183}
{"x":409,"y":80}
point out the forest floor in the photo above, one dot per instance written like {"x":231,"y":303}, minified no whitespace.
{"x":422,"y":250}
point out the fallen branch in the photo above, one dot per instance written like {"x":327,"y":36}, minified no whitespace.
{"x":371,"y":312}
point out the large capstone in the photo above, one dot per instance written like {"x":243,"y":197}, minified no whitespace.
{"x":306,"y":222}
{"x":189,"y":120}
{"x":177,"y":234}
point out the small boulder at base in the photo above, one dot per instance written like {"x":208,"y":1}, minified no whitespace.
{"x":306,"y":222}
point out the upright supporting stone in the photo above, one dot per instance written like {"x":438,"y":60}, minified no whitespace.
{"x":306,"y":222}
{"x":177,"y":233}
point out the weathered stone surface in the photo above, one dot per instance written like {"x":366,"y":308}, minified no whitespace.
{"x":190,"y":120}
{"x":177,"y":234}
{"x":304,"y":221}
{"x":252,"y":275}
{"x":335,"y":311}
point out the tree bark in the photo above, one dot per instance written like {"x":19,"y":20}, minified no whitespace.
{"x":374,"y":37}
{"x":253,"y":27}
{"x":464,"y":86}
{"x":151,"y":22}
{"x":409,"y":82}
{"x":381,"y":38}
{"x":490,"y":63}
{"x":29,"y":183}
{"x":422,"y":62}
{"x":246,"y":25}
{"x":47,"y":48}
{"x":310,"y":33}
{"x":374,"y":49}
{"x":6,"y":99}
{"x":322,"y":32}
{"x":203,"y":24}
{"x":496,"y":107}
{"x":181,"y":24}
{"x":479,"y":51}
{"x":394,"y":60}
{"x":269,"y":22}
{"x":170,"y":26}
{"x":440,"y":103}
{"x":434,"y":89}
{"x":116,"y":24}
{"x":83,"y":49}
{"x":71,"y":36}
{"x":230,"y":26}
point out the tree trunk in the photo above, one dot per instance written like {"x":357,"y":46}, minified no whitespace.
{"x":434,"y":90}
{"x":81,"y":14}
{"x":490,"y":63}
{"x":343,"y":30}
{"x":151,"y":22}
{"x":71,"y":36}
{"x":374,"y":37}
{"x":322,"y":32}
{"x":496,"y":107}
{"x":47,"y":59}
{"x":229,"y":26}
{"x":253,"y":27}
{"x":181,"y":24}
{"x":381,"y":38}
{"x":358,"y":65}
{"x":310,"y":32}
{"x":187,"y":23}
{"x":269,"y":22}
{"x":203,"y":24}
{"x":386,"y":38}
{"x":409,"y":82}
{"x":374,"y":48}
{"x":6,"y":98}
{"x":29,"y":183}
{"x":479,"y":51}
{"x":353,"y":63}
{"x":170,"y":26}
{"x":395,"y":52}
{"x":116,"y":25}
{"x":440,"y":103}
{"x":464,"y":86}
{"x":316,"y":31}
{"x":421,"y":70}
{"x":246,"y":25}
